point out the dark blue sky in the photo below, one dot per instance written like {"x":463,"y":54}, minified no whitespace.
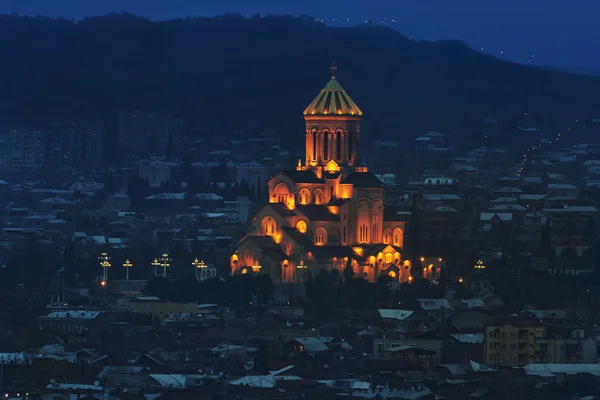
{"x":557,"y":32}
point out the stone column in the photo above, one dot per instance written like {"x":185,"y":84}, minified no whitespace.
{"x":309,"y":146}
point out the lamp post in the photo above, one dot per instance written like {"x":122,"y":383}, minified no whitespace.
{"x":256,"y":267}
{"x":127,"y":264}
{"x":301,"y":267}
{"x":165,"y":262}
{"x":155,"y":264}
{"x":200,"y":268}
{"x":104,"y":263}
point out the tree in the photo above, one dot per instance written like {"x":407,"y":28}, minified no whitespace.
{"x":170,"y":147}
{"x":159,"y":287}
{"x":348,"y":271}
{"x":590,"y":233}
{"x":321,"y":291}
{"x":263,"y":287}
{"x":262,"y":359}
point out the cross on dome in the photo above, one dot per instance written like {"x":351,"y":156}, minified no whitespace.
{"x":333,"y":68}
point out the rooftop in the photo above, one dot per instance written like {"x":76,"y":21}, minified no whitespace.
{"x":333,"y":100}
{"x":74,"y":314}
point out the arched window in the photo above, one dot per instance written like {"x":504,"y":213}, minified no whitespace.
{"x":349,"y":140}
{"x":338,"y":145}
{"x":364,"y":220}
{"x":388,"y":258}
{"x":320,"y":237}
{"x":398,"y":237}
{"x":304,"y":196}
{"x":318,"y":196}
{"x":301,"y":226}
{"x":269,"y":226}
{"x":387,"y":236}
{"x":326,"y":145}
{"x":333,"y":238}
{"x":281,"y":193}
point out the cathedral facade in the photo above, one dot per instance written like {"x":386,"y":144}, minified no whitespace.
{"x":330,"y":211}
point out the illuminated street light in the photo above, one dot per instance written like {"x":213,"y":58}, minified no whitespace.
{"x":155,"y":264}
{"x":105,"y":264}
{"x":165,"y":262}
{"x":479,"y":265}
{"x":301,"y":267}
{"x":200,"y":268}
{"x":127,"y":264}
{"x":256,"y":267}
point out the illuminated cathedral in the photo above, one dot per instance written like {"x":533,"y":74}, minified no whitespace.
{"x":330,"y":211}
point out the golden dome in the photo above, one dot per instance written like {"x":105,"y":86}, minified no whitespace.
{"x":333,"y":100}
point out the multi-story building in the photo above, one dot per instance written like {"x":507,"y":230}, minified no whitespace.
{"x":76,"y":143}
{"x":516,"y":342}
{"x":22,"y":151}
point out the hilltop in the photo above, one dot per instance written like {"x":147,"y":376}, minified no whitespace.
{"x":231,"y":72}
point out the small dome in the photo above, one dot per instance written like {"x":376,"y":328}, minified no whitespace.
{"x":333,"y":100}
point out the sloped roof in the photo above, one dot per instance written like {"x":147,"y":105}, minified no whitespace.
{"x":333,"y":100}
{"x":364,"y":180}
{"x":301,"y":176}
{"x":315,"y":212}
{"x":395,"y":314}
{"x":297,"y":236}
{"x":311,"y":344}
{"x":325,"y":252}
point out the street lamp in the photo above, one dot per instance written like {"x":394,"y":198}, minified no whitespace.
{"x":301,"y":267}
{"x":165,"y":262}
{"x":155,"y":264}
{"x":104,"y":263}
{"x":200,"y":268}
{"x":479,"y":265}
{"x":256,"y":267}
{"x":127,"y":264}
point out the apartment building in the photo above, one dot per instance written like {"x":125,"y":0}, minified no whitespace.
{"x":21,"y":151}
{"x":516,"y":342}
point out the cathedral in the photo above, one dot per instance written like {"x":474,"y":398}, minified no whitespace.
{"x":330,"y":211}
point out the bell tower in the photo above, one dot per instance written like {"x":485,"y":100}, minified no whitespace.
{"x":332,"y":128}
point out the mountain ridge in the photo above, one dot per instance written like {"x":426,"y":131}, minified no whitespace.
{"x":237,"y":73}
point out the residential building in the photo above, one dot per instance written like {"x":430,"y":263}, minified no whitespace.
{"x":22,"y":151}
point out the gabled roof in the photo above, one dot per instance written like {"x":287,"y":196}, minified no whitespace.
{"x":377,"y":248}
{"x":333,"y":100}
{"x":364,"y":180}
{"x":315,"y":212}
{"x":328,"y":252}
{"x":301,"y":176}
{"x":281,"y":209}
{"x":297,"y":236}
{"x":264,"y":242}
